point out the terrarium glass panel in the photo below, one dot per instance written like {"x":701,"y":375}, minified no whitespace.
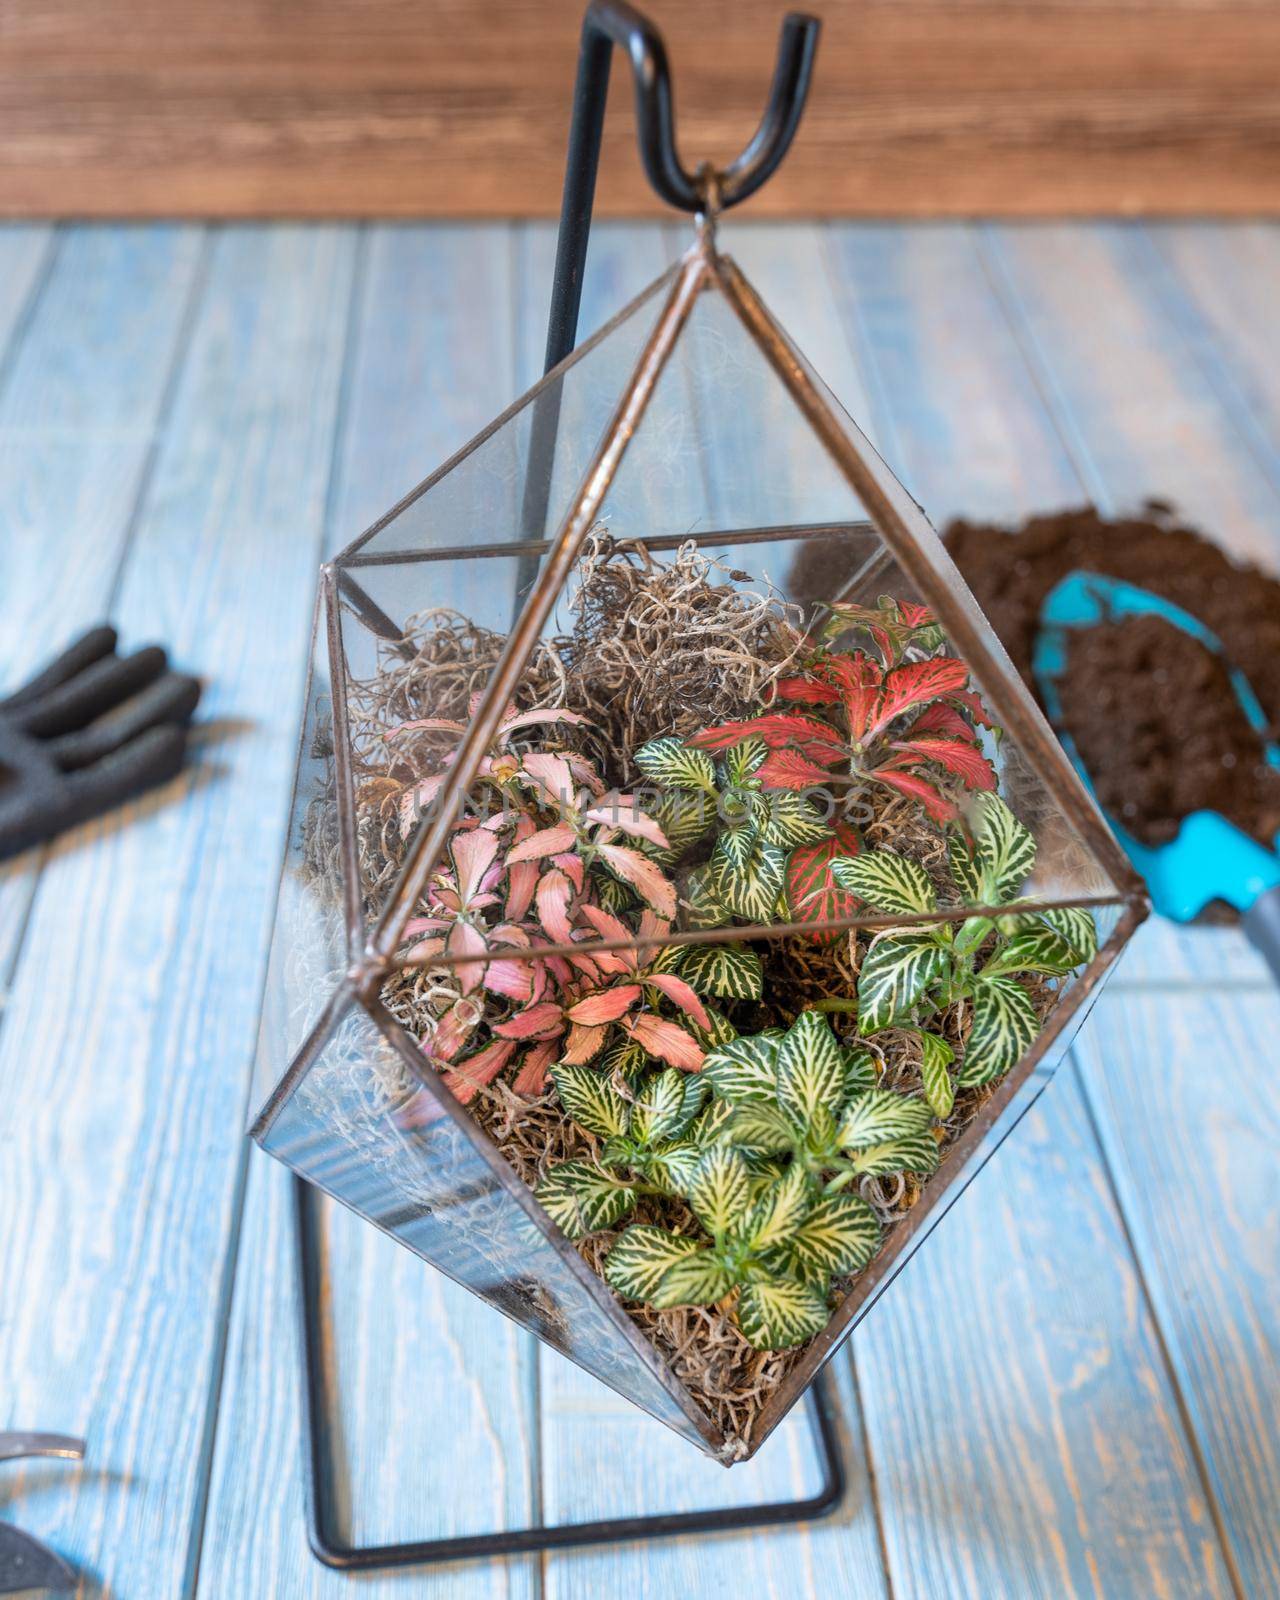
{"x":717,"y":889}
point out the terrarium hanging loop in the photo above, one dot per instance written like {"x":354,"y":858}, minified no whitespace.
{"x":711,"y":188}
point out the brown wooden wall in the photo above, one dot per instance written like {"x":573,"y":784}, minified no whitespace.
{"x":451,"y":107}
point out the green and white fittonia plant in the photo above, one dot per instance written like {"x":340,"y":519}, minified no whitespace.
{"x":911,"y":976}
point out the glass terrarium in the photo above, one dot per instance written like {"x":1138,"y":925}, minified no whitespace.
{"x":683,"y":892}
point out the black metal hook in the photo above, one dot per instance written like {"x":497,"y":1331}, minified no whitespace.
{"x":612,"y":22}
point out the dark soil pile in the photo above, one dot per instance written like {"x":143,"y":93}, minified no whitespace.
{"x":1151,"y":711}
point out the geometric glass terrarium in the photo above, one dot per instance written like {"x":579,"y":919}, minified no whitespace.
{"x":683,"y":892}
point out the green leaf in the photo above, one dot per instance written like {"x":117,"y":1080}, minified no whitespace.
{"x":840,"y":1235}
{"x":659,"y":1112}
{"x":736,"y":845}
{"x":720,"y":1189}
{"x":859,"y":1070}
{"x":1004,"y":1028}
{"x":673,"y":1166}
{"x":750,"y":890}
{"x":775,"y":1313}
{"x":810,"y":1068}
{"x":731,"y":971}
{"x":697,"y":1279}
{"x":966,"y":871}
{"x":613,"y":894}
{"x":899,"y":966}
{"x":762,"y":1130}
{"x":787,"y":819}
{"x":742,"y":760}
{"x":880,"y":1115}
{"x":580,"y":1198}
{"x":684,"y":815}
{"x":705,"y":908}
{"x":712,"y":1126}
{"x":915,"y":1152}
{"x":936,"y":1055}
{"x":670,"y":761}
{"x":591,"y":1100}
{"x":637,"y":1263}
{"x":744,"y":1071}
{"x":1077,"y":927}
{"x":774,"y":1217}
{"x":624,"y":1059}
{"x":886,"y":880}
{"x":1039,"y":949}
{"x":1006,"y":851}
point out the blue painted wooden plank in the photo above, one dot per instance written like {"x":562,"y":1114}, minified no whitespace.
{"x":435,"y":1390}
{"x":960,"y":414}
{"x":88,"y":332}
{"x":124,"y":1055}
{"x":1185,"y":1094}
{"x":1026,"y":1436}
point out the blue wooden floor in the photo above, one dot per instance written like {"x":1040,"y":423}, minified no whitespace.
{"x":1073,"y":1391}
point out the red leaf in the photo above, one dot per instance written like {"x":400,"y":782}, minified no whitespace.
{"x":942,"y":718}
{"x":958,"y":756}
{"x":915,"y":684}
{"x":666,"y":1040}
{"x":606,"y":1007}
{"x":972,"y":703}
{"x":775,"y":728}
{"x":917,"y":788}
{"x":914,"y":616}
{"x":859,"y":680}
{"x":788,"y":769}
{"x":813,"y":895}
{"x":645,"y":876}
{"x":807,"y":689}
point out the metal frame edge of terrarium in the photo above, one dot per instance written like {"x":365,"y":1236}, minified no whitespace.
{"x":369,"y":957}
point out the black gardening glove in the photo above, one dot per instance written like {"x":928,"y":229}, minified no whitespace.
{"x":91,"y":731}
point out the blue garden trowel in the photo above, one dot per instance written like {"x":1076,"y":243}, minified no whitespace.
{"x":1210,"y":859}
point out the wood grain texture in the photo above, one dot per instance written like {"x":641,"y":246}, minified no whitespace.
{"x":436,"y":1406}
{"x":125,"y":1050}
{"x":980,"y":421}
{"x":390,"y":108}
{"x":1022,"y":1420}
{"x":1185,"y":1095}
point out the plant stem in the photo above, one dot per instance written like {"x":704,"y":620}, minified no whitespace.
{"x":834,"y":1004}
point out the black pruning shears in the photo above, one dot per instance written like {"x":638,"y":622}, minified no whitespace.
{"x":25,"y":1563}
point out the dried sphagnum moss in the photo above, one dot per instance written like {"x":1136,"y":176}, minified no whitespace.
{"x":656,"y":647}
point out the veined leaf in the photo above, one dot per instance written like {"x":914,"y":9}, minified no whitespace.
{"x":859,"y":1070}
{"x":792,"y":769}
{"x":591,"y":1100}
{"x":705,"y":908}
{"x":813,"y":895}
{"x":916,"y":683}
{"x":1004,"y":1028}
{"x":713,"y":1124}
{"x":1077,"y":927}
{"x":1006,"y":850}
{"x":750,"y":891}
{"x":625,"y":1059}
{"x":636,"y":1264}
{"x":720,"y":1189}
{"x":580,"y":1198}
{"x":735,"y":845}
{"x":966,"y":870}
{"x":840,"y":1235}
{"x":899,"y":966}
{"x":886,"y":880}
{"x":742,"y":760}
{"x":960,"y":757}
{"x":915,"y":1152}
{"x":776,"y":729}
{"x":721,"y":1031}
{"x":1041,"y":949}
{"x":671,"y":761}
{"x":684,"y":815}
{"x":744,"y":1071}
{"x":732,"y":971}
{"x":880,"y":1115}
{"x":613,"y":894}
{"x":774,"y":1217}
{"x":762,"y":1130}
{"x":810,"y":1068}
{"x":697,"y":1279}
{"x":787,"y":819}
{"x":660,"y":1110}
{"x":936,"y":1055}
{"x":776,"y":1313}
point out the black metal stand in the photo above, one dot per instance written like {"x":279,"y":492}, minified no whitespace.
{"x":607,"y":23}
{"x":325,"y":1537}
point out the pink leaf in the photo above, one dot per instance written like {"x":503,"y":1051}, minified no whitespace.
{"x":645,"y":876}
{"x":472,"y":1072}
{"x":416,"y":800}
{"x":583,"y":1044}
{"x":666,"y":1040}
{"x":546,"y":842}
{"x":417,"y":925}
{"x":622,"y":813}
{"x":532,"y":1076}
{"x":511,"y":978}
{"x":426,"y":724}
{"x":678,"y":990}
{"x":553,"y":897}
{"x":424,"y":950}
{"x":604,"y":922}
{"x":473,"y":852}
{"x":571,"y":865}
{"x":464,"y":941}
{"x":543,"y":1021}
{"x":812,"y":893}
{"x":452,"y":1031}
{"x":551,"y":774}
{"x":606,"y":1007}
{"x":536,"y":719}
